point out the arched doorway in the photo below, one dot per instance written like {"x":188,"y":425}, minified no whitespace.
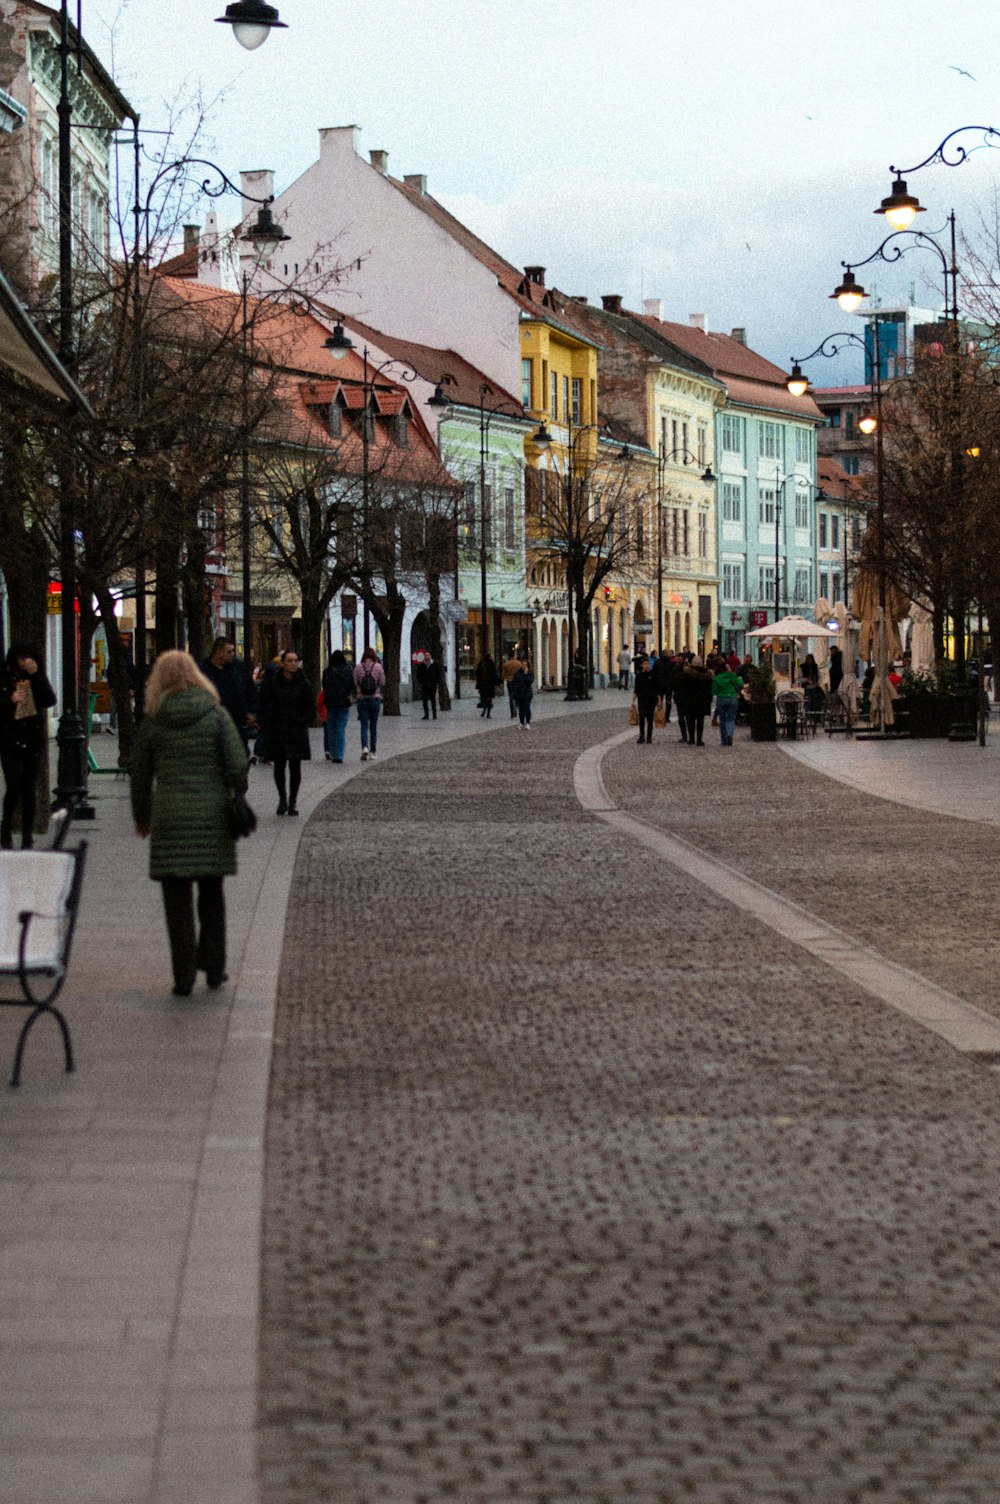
{"x":420,"y":634}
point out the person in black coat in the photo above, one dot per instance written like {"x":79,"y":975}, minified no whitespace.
{"x":696,"y":701}
{"x":234,"y":685}
{"x":286,"y":700}
{"x":338,"y":693}
{"x":428,"y":681}
{"x":487,"y":682}
{"x":644,"y":698}
{"x":836,"y":669}
{"x":25,"y":695}
{"x":663,"y":677}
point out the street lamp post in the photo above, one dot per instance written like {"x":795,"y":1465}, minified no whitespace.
{"x":486,"y":416}
{"x":251,"y":20}
{"x":849,"y":295}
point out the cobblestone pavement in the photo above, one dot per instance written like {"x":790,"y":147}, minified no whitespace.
{"x":581,"y":1188}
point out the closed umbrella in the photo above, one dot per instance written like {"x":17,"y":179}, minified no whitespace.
{"x":921,"y":637}
{"x":822,"y":611}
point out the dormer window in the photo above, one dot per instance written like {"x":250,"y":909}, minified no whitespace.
{"x":336,"y":420}
{"x":402,"y":430}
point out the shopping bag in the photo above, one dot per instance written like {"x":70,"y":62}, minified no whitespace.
{"x":633,"y":716}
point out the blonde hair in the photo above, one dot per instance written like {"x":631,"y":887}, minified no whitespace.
{"x":172,"y":672}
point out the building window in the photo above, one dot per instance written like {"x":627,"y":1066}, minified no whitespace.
{"x":207,"y":523}
{"x":703,"y":535}
{"x":835,"y":586}
{"x":640,"y":536}
{"x":835,"y":531}
{"x":402,"y":431}
{"x":675,"y":442}
{"x":765,"y":582}
{"x":768,"y":506}
{"x":526,"y":383}
{"x":335,"y":420}
{"x":823,"y":534}
{"x":732,"y":581}
{"x":702,"y":445}
{"x":732,"y":500}
{"x":488,"y":516}
{"x":565,"y":399}
{"x":803,"y":446}
{"x":685,"y":454}
{"x":801,"y":507}
{"x":768,"y":440}
{"x":856,"y":534}
{"x":824,"y":584}
{"x":687,"y":534}
{"x":509,"y":518}
{"x":803,"y":584}
{"x":732,"y":433}
{"x":851,"y":463}
{"x":554,"y":396}
{"x":833,"y":419}
{"x":577,"y":411}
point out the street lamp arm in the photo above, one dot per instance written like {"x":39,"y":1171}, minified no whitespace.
{"x":845,"y":336}
{"x":940,"y":153}
{"x":893,"y":254}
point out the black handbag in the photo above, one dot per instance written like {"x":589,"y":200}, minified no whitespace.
{"x":239,"y":816}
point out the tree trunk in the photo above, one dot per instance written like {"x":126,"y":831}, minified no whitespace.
{"x":437,"y":646}
{"x":195,"y":604}
{"x":118,"y":677}
{"x":390,"y":624}
{"x":938,"y":628}
{"x":87,"y":621}
{"x":958,"y":637}
{"x":312,"y":627}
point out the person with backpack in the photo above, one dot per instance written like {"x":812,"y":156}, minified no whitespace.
{"x":369,"y":682}
{"x":338,"y":694}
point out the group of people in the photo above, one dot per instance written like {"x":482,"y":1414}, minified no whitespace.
{"x":689,"y":684}
{"x":516,"y":677}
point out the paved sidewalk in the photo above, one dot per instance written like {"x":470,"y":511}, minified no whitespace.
{"x":130,"y":1190}
{"x":512,"y":1149}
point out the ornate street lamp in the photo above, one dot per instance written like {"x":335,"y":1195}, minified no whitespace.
{"x":252,"y":22}
{"x":900,"y":207}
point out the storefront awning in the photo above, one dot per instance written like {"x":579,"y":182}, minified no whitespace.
{"x":22,"y":349}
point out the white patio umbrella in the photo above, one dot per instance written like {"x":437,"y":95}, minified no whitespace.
{"x":792,"y":626}
{"x":847,"y":637}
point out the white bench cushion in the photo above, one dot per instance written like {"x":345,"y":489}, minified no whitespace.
{"x":39,"y":881}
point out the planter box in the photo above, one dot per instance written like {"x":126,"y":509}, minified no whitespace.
{"x":763,"y":721}
{"x":929,"y":715}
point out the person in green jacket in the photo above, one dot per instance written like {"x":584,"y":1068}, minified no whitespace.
{"x":726,"y":687}
{"x":188,"y":754}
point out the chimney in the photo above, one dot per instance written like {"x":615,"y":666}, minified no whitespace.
{"x":611,"y":302}
{"x":535,"y":274}
{"x":698,"y":321}
{"x":653,"y":308}
{"x":417,"y":181}
{"x":192,"y":235}
{"x":740,"y":336}
{"x":380,"y":162}
{"x":579,"y":298}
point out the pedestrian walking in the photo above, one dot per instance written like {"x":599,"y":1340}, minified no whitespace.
{"x":25,"y":696}
{"x":338,"y":693}
{"x":429,"y":682}
{"x":524,"y":691}
{"x":644,"y":699}
{"x":727,"y":687}
{"x":233,"y":682}
{"x":697,"y":681}
{"x":369,"y":682}
{"x":624,"y":666}
{"x":287,"y":700}
{"x":188,"y":755}
{"x":510,"y":668}
{"x":487,"y":683}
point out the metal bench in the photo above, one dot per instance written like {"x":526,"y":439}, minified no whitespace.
{"x":39,"y":899}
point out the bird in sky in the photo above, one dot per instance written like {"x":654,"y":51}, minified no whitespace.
{"x":963,"y":71}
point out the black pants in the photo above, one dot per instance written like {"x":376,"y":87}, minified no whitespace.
{"x":694,"y":725}
{"x":20,"y":776}
{"x":191,"y":953}
{"x":430,"y":703}
{"x":646,"y":714}
{"x":294,"y":778}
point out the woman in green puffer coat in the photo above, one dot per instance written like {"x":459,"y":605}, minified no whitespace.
{"x":187,"y":755}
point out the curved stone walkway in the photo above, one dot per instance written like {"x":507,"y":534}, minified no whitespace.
{"x":581,"y":1186}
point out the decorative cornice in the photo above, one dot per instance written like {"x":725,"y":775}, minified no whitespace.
{"x":88,"y":106}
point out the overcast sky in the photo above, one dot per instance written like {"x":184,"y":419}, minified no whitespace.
{"x":723,"y":155}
